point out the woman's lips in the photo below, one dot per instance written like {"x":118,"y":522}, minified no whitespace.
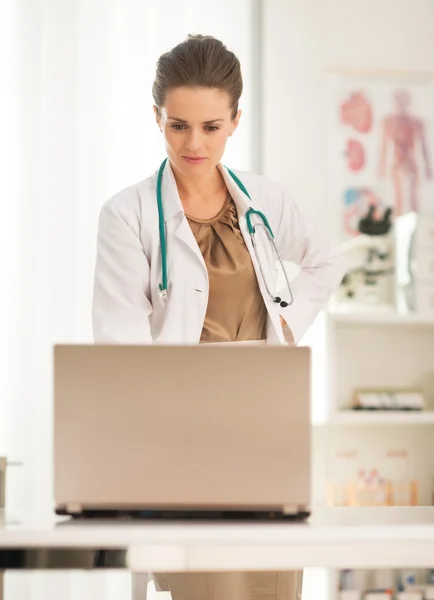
{"x":194,"y":160}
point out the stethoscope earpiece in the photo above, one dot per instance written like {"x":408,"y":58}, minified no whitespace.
{"x":283,"y":303}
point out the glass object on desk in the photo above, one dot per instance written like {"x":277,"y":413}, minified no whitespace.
{"x":414,"y":235}
{"x":357,"y":483}
{"x":405,"y":228}
{"x":339,"y":490}
{"x":404,"y":489}
{"x":371,"y":488}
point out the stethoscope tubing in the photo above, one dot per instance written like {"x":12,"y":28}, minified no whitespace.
{"x":163,"y":286}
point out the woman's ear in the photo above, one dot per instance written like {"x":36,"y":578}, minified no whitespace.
{"x":235,"y":122}
{"x":157,"y":114}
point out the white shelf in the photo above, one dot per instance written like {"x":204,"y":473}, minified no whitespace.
{"x":352,"y":417}
{"x":380,"y":317}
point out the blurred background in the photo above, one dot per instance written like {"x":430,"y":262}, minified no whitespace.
{"x":323,"y":81}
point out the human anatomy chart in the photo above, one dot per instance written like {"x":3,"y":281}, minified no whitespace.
{"x":381,"y":145}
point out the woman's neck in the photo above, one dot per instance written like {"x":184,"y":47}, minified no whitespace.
{"x":202,"y":189}
{"x":201,"y":197}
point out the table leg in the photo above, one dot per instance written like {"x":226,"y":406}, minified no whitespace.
{"x":139,"y":586}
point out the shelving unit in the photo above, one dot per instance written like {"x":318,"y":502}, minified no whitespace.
{"x":359,"y":418}
{"x":378,"y":349}
{"x":380,"y":317}
{"x":374,"y":349}
{"x":369,"y":349}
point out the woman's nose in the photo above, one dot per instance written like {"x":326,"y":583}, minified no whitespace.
{"x":194,"y":141}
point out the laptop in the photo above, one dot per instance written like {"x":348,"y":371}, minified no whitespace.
{"x":182,"y":431}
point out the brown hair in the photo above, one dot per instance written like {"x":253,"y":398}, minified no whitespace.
{"x":199,"y":61}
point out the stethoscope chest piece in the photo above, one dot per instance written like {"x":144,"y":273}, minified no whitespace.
{"x":162,"y":297}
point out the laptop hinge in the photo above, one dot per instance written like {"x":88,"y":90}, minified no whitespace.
{"x":74,"y":508}
{"x":290,"y":509}
{"x":295,"y":509}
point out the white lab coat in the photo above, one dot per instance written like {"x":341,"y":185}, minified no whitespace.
{"x":126,"y":307}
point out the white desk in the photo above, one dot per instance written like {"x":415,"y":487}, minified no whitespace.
{"x":333,"y":538}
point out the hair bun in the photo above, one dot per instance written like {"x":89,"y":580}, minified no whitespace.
{"x":199,"y":61}
{"x":199,"y":36}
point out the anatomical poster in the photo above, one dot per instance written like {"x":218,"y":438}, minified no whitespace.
{"x":381,"y":147}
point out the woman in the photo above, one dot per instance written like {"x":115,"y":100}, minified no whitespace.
{"x":215,"y":291}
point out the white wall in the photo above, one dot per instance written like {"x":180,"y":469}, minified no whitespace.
{"x":303,"y":38}
{"x":77,"y":126}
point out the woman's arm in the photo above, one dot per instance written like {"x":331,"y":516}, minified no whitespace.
{"x":121,"y":306}
{"x":321,"y":268}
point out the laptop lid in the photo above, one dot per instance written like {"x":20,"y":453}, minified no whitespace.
{"x":181,"y":427}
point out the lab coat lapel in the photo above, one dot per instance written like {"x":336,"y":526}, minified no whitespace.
{"x":176,"y":223}
{"x":243,"y":204}
{"x":241,"y":200}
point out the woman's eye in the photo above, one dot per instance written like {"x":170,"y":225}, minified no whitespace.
{"x":182,"y":127}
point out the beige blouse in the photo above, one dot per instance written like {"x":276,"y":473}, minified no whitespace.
{"x":236,"y":309}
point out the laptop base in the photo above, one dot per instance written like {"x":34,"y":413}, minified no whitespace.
{"x":186,"y":515}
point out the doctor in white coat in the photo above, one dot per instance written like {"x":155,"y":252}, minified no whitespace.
{"x":196,"y":93}
{"x":216,"y":288}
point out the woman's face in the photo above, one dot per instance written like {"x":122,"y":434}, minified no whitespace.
{"x":196,"y":123}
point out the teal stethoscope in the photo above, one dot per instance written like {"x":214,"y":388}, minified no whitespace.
{"x":163,"y":286}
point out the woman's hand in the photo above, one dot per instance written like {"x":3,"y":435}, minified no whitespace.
{"x":288,"y":334}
